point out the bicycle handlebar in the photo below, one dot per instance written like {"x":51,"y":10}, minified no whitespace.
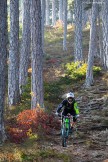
{"x":67,"y":116}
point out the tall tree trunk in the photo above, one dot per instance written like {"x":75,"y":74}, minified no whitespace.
{"x":26,"y":44}
{"x":61,"y":10}
{"x":105,"y":32}
{"x":100,"y":38}
{"x":64,"y":24}
{"x":53,"y":12}
{"x":13,"y":77}
{"x":37,"y":55}
{"x":47,"y":22}
{"x":78,"y":31}
{"x":84,"y":16}
{"x":43,"y":20}
{"x":3,"y":56}
{"x":92,"y":45}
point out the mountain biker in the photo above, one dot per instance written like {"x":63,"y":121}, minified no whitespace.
{"x":69,"y":106}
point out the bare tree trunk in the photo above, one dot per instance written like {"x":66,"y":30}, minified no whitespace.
{"x":26,"y":44}
{"x":105,"y":32}
{"x":53,"y":12}
{"x":37,"y":55}
{"x":3,"y":57}
{"x":92,"y":44}
{"x":78,"y":31}
{"x":84,"y":16}
{"x":47,"y":13}
{"x":13,"y":77}
{"x":43,"y":20}
{"x":100,"y":38}
{"x":61,"y":10}
{"x":64,"y":24}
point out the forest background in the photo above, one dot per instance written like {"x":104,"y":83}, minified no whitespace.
{"x":48,"y":48}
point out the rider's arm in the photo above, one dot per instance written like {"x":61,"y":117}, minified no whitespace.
{"x":76,"y":108}
{"x":60,"y":106}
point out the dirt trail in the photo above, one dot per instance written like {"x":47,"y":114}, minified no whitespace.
{"x":91,"y":142}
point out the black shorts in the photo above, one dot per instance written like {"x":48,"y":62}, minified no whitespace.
{"x":72,"y":112}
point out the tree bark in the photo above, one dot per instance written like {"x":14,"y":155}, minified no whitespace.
{"x":53,"y":12}
{"x":43,"y":20}
{"x":78,"y":31}
{"x":37,"y":55}
{"x":64,"y":24}
{"x":3,"y":57}
{"x":13,"y":77}
{"x":47,"y":13}
{"x":26,"y":44}
{"x":105,"y":32}
{"x":61,"y":10}
{"x":92,"y":45}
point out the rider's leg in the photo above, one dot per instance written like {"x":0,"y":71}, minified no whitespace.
{"x":64,"y":113}
{"x":74,"y":122}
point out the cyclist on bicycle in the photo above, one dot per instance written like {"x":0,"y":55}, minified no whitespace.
{"x":69,"y":106}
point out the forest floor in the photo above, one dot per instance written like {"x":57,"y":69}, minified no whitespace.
{"x":90,"y":143}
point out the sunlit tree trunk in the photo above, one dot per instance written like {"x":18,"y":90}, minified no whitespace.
{"x":100,"y":38}
{"x":47,"y":19}
{"x":61,"y":10}
{"x":53,"y":12}
{"x":3,"y":56}
{"x":37,"y":55}
{"x":13,"y":77}
{"x":78,"y":31}
{"x":84,"y":16}
{"x":92,"y":45}
{"x":26,"y":43}
{"x":43,"y":20}
{"x":64,"y":24}
{"x":105,"y":32}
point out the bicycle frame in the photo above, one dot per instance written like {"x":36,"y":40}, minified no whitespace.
{"x":65,"y":128}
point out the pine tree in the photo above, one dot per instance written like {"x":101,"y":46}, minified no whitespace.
{"x":47,"y":19}
{"x":3,"y":57}
{"x":78,"y":31}
{"x":37,"y":55}
{"x":53,"y":12}
{"x":64,"y":24}
{"x":13,"y":74}
{"x":61,"y":10}
{"x":92,"y":44}
{"x":105,"y":32}
{"x":26,"y":44}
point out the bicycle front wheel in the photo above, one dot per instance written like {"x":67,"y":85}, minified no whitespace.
{"x":64,"y":138}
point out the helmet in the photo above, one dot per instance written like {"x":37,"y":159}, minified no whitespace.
{"x":70,"y":94}
{"x":70,"y":97}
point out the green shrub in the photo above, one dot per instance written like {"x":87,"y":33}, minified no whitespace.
{"x":96,"y":70}
{"x":77,"y":70}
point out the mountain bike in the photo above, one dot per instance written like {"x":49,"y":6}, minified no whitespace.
{"x":66,"y":129}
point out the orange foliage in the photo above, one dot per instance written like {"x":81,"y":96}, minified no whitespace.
{"x":36,"y":120}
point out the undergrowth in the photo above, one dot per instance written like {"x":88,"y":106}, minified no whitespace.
{"x":77,"y":70}
{"x":46,"y":156}
{"x":28,"y":123}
